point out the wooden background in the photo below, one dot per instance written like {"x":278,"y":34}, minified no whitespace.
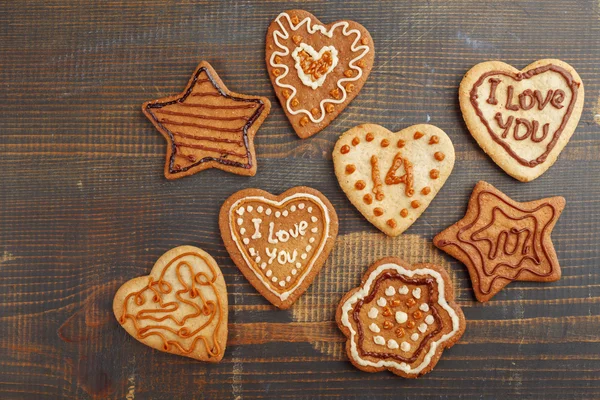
{"x":84,"y":205}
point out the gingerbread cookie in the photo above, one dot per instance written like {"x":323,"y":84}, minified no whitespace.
{"x":279,"y":242}
{"x":401,"y":318}
{"x":316,"y":70}
{"x":501,"y":240}
{"x":392,"y":177}
{"x":180,"y":308}
{"x":208,"y":126}
{"x":522,"y":119}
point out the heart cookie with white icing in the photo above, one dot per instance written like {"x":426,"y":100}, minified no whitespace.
{"x":316,"y":70}
{"x":180,"y":307}
{"x":522,"y":119}
{"x":279,"y":242}
{"x":400,"y":318}
{"x":391,"y":177}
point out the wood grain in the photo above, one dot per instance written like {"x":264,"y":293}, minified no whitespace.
{"x":84,"y":205}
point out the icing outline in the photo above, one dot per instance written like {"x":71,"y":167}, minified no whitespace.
{"x":329,"y":34}
{"x":282,"y":296}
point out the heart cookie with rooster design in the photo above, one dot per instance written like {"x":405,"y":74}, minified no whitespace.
{"x":522,"y":119}
{"x":180,"y":308}
{"x":279,"y":242}
{"x":392,"y":177}
{"x":316,"y":70}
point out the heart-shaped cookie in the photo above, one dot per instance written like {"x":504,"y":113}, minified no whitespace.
{"x":316,"y":70}
{"x":180,"y":308}
{"x":522,"y":119}
{"x":392,"y":177}
{"x":279,"y":242}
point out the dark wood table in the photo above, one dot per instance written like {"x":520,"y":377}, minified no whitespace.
{"x":84,"y":205}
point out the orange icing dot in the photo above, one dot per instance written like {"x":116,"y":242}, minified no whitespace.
{"x":391,"y":223}
{"x":368,"y":199}
{"x":410,"y":302}
{"x":426,"y":190}
{"x":434,"y":174}
{"x":360,"y":185}
{"x":276,"y":72}
{"x":417,"y":314}
{"x":329,"y":108}
{"x":410,"y":324}
{"x":434,"y":140}
{"x":439,"y":156}
{"x":388,"y":325}
{"x":315,"y":112}
{"x":295,"y":102}
{"x":418,"y":135}
{"x":345,"y":149}
{"x":415,"y":204}
{"x":399,"y":332}
{"x":277,"y":60}
{"x":350,"y":168}
{"x":378,"y":211}
{"x":349,"y":88}
{"x":364,"y":41}
{"x":335,"y":93}
{"x":348,"y":73}
{"x":355,"y":141}
{"x":385,"y":143}
{"x":404,"y":213}
{"x":369,"y":137}
{"x":401,"y":143}
{"x":304,"y":121}
{"x":286,"y":93}
{"x":297,"y":39}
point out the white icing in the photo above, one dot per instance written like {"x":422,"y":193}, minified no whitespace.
{"x":298,"y":265}
{"x":293,"y":208}
{"x":379,"y":340}
{"x":416,"y":293}
{"x":373,"y":312}
{"x":246,"y":240}
{"x":374,"y":328}
{"x":240,"y":221}
{"x":274,"y":279}
{"x":284,"y":213}
{"x":242,"y":231}
{"x":429,"y":319}
{"x":259,"y":209}
{"x":314,"y":230}
{"x":423,"y":328}
{"x":288,"y":278}
{"x":381,"y":302}
{"x":294,"y":271}
{"x":405,"y":346}
{"x":240,"y":211}
{"x":270,"y":238}
{"x":307,"y":79}
{"x":282,"y":283}
{"x":309,"y":209}
{"x":364,"y":291}
{"x":424,"y":307}
{"x":257,"y":259}
{"x":308,"y":248}
{"x":284,"y":295}
{"x":403,"y":290}
{"x":283,"y":236}
{"x":249,"y":208}
{"x":414,"y":337}
{"x":314,"y":219}
{"x":272,"y":254}
{"x":269,"y":273}
{"x":256,"y":222}
{"x":303,"y":256}
{"x":401,"y":317}
{"x":252,"y":251}
{"x":263,"y":265}
{"x":277,"y":214}
{"x":392,"y":344}
{"x":311,"y":240}
{"x":390,"y":291}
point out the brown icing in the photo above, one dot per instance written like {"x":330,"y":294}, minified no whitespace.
{"x":556,"y":101}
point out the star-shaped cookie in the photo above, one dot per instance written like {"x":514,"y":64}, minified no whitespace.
{"x":208,"y":126}
{"x":501,"y":240}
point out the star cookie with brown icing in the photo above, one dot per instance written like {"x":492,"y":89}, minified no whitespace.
{"x":208,"y":126}
{"x":501,"y":240}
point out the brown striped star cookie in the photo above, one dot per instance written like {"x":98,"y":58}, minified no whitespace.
{"x":391,"y":177}
{"x":208,"y":126}
{"x":401,"y":318}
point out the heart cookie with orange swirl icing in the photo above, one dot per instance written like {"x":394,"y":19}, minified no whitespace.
{"x":180,"y":308}
{"x":316,"y":70}
{"x":391,"y":177}
{"x":279,"y":242}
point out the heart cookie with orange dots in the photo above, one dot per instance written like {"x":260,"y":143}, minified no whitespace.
{"x":180,"y":308}
{"x":316,"y":70}
{"x":391,"y":177}
{"x":401,"y":318}
{"x":279,"y":242}
{"x":522,"y":119}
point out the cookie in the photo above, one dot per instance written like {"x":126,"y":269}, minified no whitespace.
{"x":180,"y":308}
{"x":208,"y":126}
{"x":392,"y":177}
{"x":316,"y":70}
{"x":279,"y":242}
{"x":400,"y":318}
{"x":522,"y":119}
{"x":501,"y":240}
